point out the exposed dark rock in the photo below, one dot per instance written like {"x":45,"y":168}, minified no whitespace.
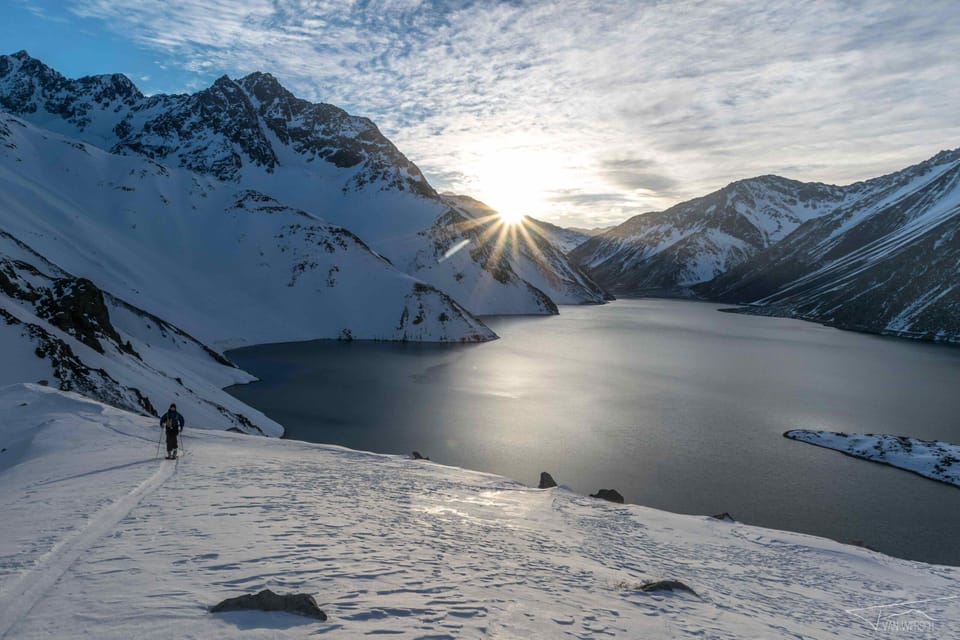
{"x":726,"y":517}
{"x":419,"y":456}
{"x":666,"y":585}
{"x":77,"y":307}
{"x":43,"y":383}
{"x":546,"y":481}
{"x":861,"y":543}
{"x":608,"y":494}
{"x":299,"y":603}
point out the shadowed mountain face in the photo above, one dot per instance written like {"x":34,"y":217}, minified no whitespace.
{"x":888,"y":262}
{"x":879,"y":255}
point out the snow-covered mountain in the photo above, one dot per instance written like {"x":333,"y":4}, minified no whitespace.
{"x":667,"y":252}
{"x":881,"y":255}
{"x":532,"y":249}
{"x":100,"y":540}
{"x":227,"y":264}
{"x":255,"y":135}
{"x":889,"y":261}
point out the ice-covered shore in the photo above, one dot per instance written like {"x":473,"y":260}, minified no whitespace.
{"x":100,"y":539}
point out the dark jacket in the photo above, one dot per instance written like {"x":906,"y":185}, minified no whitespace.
{"x":172,"y":421}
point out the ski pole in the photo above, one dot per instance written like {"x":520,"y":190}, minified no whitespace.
{"x":158,"y":443}
{"x":183,"y":449}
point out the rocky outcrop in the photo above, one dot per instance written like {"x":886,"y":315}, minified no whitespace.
{"x":546,"y":481}
{"x":723,"y":517}
{"x":666,"y":585}
{"x":302,"y":604}
{"x":611,"y":495}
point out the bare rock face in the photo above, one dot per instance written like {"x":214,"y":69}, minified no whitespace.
{"x":608,"y":494}
{"x":299,"y":603}
{"x":546,"y":481}
{"x":666,"y":585}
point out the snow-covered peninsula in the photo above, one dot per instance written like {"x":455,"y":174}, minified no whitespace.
{"x":101,"y":539}
{"x":929,"y":458}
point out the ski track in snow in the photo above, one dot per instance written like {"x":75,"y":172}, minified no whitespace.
{"x":17,"y":600}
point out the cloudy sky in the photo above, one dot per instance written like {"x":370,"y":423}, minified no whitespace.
{"x":582,"y":113}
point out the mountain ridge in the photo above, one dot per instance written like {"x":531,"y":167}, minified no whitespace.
{"x":876,"y":255}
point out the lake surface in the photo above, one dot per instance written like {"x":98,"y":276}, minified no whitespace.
{"x":676,"y":405}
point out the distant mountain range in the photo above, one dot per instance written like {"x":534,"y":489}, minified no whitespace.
{"x":881,"y":255}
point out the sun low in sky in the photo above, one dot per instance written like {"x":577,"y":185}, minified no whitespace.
{"x":579,"y":112}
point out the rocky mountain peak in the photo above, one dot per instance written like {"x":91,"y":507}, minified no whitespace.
{"x":264,"y":87}
{"x":219,"y":130}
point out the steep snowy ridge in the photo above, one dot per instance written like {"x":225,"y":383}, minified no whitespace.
{"x":695,"y":241}
{"x":254,"y":133}
{"x":889,"y":262}
{"x":65,"y":330}
{"x":128,"y":546}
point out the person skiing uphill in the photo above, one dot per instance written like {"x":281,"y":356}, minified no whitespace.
{"x":172,"y":422}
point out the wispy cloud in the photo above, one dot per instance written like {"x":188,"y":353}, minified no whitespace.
{"x":651,"y":102}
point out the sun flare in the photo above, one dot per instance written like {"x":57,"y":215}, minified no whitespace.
{"x":514,"y":180}
{"x":509,"y":217}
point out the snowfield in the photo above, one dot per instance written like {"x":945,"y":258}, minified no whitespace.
{"x":929,"y":458}
{"x":99,"y":539}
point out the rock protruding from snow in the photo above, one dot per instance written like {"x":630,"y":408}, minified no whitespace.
{"x":723,"y":517}
{"x":299,"y":603}
{"x":666,"y":585}
{"x":546,"y":481}
{"x":611,"y":495}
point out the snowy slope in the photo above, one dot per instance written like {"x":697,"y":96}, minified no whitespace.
{"x":100,"y":539}
{"x":932,"y":459}
{"x":695,"y":241}
{"x":66,"y":331}
{"x":887,"y":262}
{"x":254,"y":135}
{"x":227,"y":264}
